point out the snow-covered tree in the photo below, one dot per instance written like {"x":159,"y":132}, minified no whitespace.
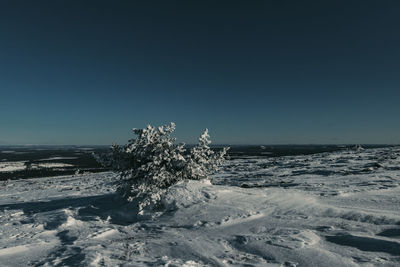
{"x":201,"y":162}
{"x":152,"y":162}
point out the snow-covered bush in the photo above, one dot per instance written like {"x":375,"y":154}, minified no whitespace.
{"x":152,"y":162}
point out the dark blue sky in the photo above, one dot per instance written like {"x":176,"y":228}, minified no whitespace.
{"x":86,"y":72}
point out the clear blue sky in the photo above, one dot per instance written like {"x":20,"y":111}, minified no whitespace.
{"x":253,"y":72}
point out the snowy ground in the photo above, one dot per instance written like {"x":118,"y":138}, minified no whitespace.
{"x":329,"y":209}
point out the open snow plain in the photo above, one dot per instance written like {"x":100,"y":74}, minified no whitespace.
{"x":329,"y":209}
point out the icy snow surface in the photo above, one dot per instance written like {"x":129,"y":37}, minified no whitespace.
{"x":329,"y":209}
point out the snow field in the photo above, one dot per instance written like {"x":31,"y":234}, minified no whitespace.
{"x":319,"y":210}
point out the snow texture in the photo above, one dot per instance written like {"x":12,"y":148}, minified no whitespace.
{"x":328,"y":209}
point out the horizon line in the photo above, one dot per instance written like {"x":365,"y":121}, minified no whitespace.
{"x":261,"y":144}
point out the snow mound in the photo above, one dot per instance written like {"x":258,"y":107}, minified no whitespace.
{"x":182,"y":195}
{"x":185,"y":194}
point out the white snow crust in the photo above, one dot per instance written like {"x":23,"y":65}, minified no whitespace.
{"x":328,"y":209}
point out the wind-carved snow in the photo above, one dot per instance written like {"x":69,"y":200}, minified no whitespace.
{"x":329,"y":209}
